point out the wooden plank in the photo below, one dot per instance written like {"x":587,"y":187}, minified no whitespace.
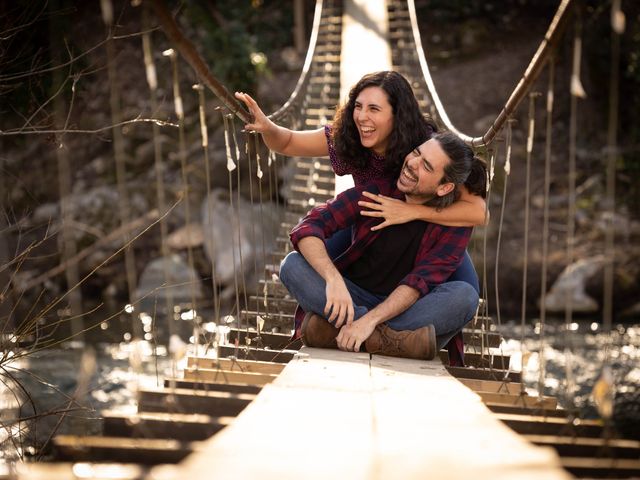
{"x":378,"y":406}
{"x":484,"y":373}
{"x":120,"y":449}
{"x":218,"y":404}
{"x":528,"y":410}
{"x":67,"y":471}
{"x":570,"y":446}
{"x":240,"y":365}
{"x":480,"y":360}
{"x":274,"y":341}
{"x":178,"y":426}
{"x":519,"y":400}
{"x":480,"y":338}
{"x":602,"y":467}
{"x":211,"y":386}
{"x":247,"y":353}
{"x":533,"y":424}
{"x":511,"y":388}
{"x":227,"y":376}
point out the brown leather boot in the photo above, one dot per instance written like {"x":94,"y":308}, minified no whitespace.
{"x":419,"y":344}
{"x":318,"y":332}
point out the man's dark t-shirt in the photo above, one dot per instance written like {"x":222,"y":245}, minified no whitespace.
{"x":388,"y":259}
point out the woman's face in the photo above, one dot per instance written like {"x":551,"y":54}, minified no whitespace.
{"x":373,"y":116}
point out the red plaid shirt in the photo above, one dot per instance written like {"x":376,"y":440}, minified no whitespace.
{"x":441,"y":249}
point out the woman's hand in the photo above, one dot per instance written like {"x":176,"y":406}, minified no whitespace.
{"x":261,"y":123}
{"x":393,"y":211}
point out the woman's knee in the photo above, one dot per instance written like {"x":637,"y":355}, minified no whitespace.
{"x":467,"y":296}
{"x":472,"y":298}
{"x":466,"y":272}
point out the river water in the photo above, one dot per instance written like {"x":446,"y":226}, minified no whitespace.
{"x":88,"y":382}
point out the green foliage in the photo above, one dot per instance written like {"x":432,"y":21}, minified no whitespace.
{"x":598,"y":49}
{"x":237,"y":38}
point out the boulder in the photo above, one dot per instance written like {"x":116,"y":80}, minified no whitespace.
{"x":234,"y":235}
{"x":571,"y":285}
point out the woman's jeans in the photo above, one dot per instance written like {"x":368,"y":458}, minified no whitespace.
{"x":448,"y":307}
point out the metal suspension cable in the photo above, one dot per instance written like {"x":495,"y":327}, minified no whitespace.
{"x":527,"y":202}
{"x":507,"y":171}
{"x":304,"y":75}
{"x":528,"y":78}
{"x":545,"y":223}
{"x":152,"y":82}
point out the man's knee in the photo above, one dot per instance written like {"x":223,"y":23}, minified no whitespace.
{"x":288,"y":267}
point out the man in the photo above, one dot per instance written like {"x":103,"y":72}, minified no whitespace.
{"x":387,"y":292}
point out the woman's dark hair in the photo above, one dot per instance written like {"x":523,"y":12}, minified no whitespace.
{"x":410,"y":126}
{"x":463,"y":168}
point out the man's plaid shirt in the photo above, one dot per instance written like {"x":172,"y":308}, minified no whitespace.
{"x":440,"y":253}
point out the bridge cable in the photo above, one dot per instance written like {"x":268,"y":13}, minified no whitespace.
{"x":577,"y":92}
{"x":182,"y":153}
{"x":526,"y":81}
{"x":159,"y":167}
{"x":525,"y":256}
{"x":545,"y":222}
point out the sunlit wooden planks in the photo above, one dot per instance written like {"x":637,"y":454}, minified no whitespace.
{"x":539,"y":425}
{"x":231,"y":365}
{"x":248,"y":353}
{"x":120,"y":449}
{"x":378,"y":406}
{"x":193,"y":401}
{"x":178,"y":426}
{"x":227,"y":376}
{"x":85,"y":470}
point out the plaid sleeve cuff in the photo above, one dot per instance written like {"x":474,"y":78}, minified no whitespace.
{"x":417,"y":282}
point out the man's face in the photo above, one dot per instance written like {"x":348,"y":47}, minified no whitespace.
{"x":422,"y":173}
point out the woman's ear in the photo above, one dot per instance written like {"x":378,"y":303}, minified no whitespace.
{"x":445,"y":189}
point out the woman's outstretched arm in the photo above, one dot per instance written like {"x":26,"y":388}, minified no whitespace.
{"x":303,"y":143}
{"x":468,"y":211}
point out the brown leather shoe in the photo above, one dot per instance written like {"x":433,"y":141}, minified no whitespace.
{"x":419,"y":344}
{"x":318,"y":332}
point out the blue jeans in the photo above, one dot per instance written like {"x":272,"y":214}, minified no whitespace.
{"x":448,"y":307}
{"x":341,"y":240}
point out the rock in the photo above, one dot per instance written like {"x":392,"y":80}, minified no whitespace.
{"x":190,"y":235}
{"x":45,"y":213}
{"x":227,"y":236}
{"x":178,"y":287}
{"x":571,"y":284}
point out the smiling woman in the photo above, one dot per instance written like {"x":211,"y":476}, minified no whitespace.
{"x":367,"y":143}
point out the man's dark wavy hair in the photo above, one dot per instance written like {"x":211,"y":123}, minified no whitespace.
{"x":410,"y":126}
{"x":464,"y":168}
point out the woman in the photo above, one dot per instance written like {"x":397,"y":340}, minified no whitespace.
{"x":372,"y":133}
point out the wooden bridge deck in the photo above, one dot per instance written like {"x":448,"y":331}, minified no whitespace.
{"x":332,"y":414}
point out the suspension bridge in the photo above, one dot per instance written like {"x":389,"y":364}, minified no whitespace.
{"x":251,"y":402}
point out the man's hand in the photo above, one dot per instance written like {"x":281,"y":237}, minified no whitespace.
{"x":339,"y":307}
{"x":352,"y":336}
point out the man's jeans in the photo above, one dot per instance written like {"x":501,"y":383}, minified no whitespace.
{"x":448,"y":307}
